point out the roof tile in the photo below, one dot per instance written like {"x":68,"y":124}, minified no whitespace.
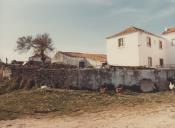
{"x":97,"y":57}
{"x":131,"y":29}
{"x":169,"y":30}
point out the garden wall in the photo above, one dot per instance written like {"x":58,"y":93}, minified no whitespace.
{"x":90,"y":78}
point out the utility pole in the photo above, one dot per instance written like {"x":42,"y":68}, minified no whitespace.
{"x":6,"y":61}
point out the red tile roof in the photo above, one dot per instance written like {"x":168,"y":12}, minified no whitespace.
{"x":169,"y":30}
{"x":97,"y":57}
{"x":131,"y":30}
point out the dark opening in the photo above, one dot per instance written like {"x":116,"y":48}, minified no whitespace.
{"x":148,"y":41}
{"x":149,"y":62}
{"x":161,"y":62}
{"x":81,"y":64}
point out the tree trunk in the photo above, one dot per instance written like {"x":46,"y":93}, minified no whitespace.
{"x":43,"y":57}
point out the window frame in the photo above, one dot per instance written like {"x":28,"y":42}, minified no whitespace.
{"x":121,"y":42}
{"x":161,"y":59}
{"x":160,"y":44}
{"x":148,"y":41}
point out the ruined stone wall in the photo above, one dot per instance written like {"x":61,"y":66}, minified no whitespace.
{"x":5,"y":72}
{"x":1,"y":72}
{"x":90,"y":78}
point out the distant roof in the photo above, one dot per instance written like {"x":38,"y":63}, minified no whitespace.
{"x":97,"y":57}
{"x":38,"y":55}
{"x":132,"y":29}
{"x":169,"y":30}
{"x":17,"y":62}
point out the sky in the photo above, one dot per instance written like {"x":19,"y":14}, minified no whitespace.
{"x":78,"y":25}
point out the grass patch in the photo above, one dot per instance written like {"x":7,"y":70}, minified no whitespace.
{"x":65,"y":102}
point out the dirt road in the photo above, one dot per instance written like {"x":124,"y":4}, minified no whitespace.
{"x":138,"y":117}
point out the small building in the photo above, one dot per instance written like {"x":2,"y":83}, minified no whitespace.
{"x":17,"y":63}
{"x":81,"y":60}
{"x":37,"y":58}
{"x":137,"y":47}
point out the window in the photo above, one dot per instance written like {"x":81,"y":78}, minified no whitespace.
{"x":161,"y":62}
{"x":160,"y":45}
{"x":120,"y":42}
{"x":148,"y":41}
{"x":149,"y":62}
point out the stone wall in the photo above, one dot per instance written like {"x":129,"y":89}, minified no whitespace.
{"x":90,"y":78}
{"x":1,"y":72}
{"x":5,"y":72}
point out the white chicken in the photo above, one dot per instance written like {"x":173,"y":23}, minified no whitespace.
{"x":171,"y":86}
{"x":44,"y":87}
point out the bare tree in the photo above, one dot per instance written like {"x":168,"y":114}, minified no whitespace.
{"x":41,"y":44}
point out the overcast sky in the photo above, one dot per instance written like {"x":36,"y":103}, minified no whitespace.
{"x":78,"y":25}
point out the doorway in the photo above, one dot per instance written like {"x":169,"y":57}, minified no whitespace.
{"x":81,"y":64}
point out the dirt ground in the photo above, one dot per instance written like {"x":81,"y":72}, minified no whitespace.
{"x":162,"y":116}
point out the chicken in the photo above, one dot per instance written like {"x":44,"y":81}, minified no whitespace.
{"x":171,"y":86}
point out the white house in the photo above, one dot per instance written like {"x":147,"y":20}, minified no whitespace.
{"x":37,"y":58}
{"x":169,"y":34}
{"x":80,"y":59}
{"x":136,"y":47}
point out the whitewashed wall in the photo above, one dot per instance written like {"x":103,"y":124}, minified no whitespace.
{"x":170,"y":50}
{"x":136,"y":52}
{"x":62,"y":58}
{"x":94,"y":63}
{"x":154,"y":51}
{"x":123,"y":56}
{"x":169,"y":36}
{"x":68,"y":60}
